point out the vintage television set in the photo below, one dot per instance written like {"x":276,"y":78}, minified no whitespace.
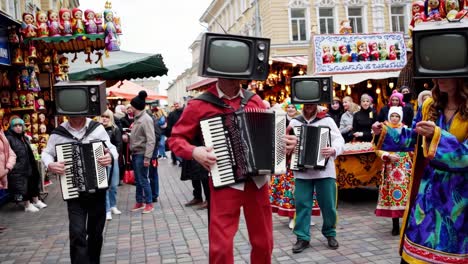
{"x":80,"y":98}
{"x":440,"y":49}
{"x":311,"y":90}
{"x":234,"y":57}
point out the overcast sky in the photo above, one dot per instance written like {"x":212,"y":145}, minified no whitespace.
{"x":167,"y":27}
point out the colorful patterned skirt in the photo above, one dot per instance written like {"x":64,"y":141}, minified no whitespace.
{"x":393,"y":190}
{"x":282,"y":195}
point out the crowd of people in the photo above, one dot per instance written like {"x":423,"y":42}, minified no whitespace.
{"x":424,"y":156}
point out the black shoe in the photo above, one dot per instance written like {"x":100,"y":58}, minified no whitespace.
{"x":155,"y":199}
{"x":395,"y":231}
{"x":332,"y":243}
{"x":300,"y":246}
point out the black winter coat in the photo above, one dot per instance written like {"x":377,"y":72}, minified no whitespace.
{"x":24,"y":178}
{"x":362,"y":122}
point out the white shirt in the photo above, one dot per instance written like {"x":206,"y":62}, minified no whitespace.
{"x":259,"y":180}
{"x":337,"y":142}
{"x":48,"y":154}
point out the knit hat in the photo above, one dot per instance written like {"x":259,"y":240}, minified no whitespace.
{"x":398,"y":95}
{"x":366,"y":96}
{"x":422,"y":94}
{"x":16,"y":121}
{"x":395,"y":110}
{"x":139,"y":101}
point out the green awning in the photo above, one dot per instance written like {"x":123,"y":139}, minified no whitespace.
{"x":121,"y":65}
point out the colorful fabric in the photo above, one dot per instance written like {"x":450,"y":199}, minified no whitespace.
{"x":282,"y":195}
{"x":436,"y":219}
{"x":358,"y":170}
{"x":393,"y":190}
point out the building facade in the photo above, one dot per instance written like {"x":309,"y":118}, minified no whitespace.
{"x":290,"y":24}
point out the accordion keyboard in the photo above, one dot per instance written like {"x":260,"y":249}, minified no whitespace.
{"x":65,"y":154}
{"x":101,"y":172}
{"x":214,"y":135}
{"x":295,"y":154}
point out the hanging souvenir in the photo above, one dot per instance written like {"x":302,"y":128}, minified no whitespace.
{"x":13,"y":35}
{"x":42,"y":27}
{"x":30,"y":100}
{"x":27,"y":118}
{"x":77,"y":21}
{"x":99,"y":23}
{"x":65,"y":22}
{"x":28,"y":27}
{"x":54,"y":24}
{"x":112,"y":41}
{"x":18,"y":57}
{"x":88,"y":52}
{"x":15,"y":99}
{"x":90,"y":22}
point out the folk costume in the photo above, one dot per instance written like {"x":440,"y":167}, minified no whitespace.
{"x":435,"y":225}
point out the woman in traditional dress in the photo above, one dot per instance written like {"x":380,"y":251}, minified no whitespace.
{"x":435,"y":225}
{"x":396,"y":174}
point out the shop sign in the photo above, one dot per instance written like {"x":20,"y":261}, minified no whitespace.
{"x":4,"y":51}
{"x":353,"y":53}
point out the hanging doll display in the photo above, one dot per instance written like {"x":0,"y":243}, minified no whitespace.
{"x":54,"y":24}
{"x":42,"y":27}
{"x":99,"y":23}
{"x":12,"y":35}
{"x":111,"y":40}
{"x":77,"y":23}
{"x":65,"y":22}
{"x":28,"y":26}
{"x":374,"y":54}
{"x":90,"y":23}
{"x":363,"y":54}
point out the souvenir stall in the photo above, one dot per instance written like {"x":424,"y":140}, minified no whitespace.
{"x":34,"y":54}
{"x":360,"y":63}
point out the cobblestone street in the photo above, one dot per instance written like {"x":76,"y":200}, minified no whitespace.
{"x":174,"y":233}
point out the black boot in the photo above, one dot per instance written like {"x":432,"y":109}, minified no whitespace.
{"x":300,"y":246}
{"x":396,"y":226}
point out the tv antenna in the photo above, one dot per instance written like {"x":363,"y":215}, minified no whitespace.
{"x":216,"y":21}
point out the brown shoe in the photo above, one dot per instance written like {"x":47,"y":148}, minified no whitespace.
{"x":193,"y":202}
{"x":203,"y":206}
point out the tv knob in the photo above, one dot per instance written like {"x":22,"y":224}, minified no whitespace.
{"x":325,"y":88}
{"x":260,"y":68}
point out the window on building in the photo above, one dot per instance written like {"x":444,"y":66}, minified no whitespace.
{"x":326,"y":20}
{"x":355,"y":19}
{"x":398,"y":18}
{"x":298,"y":24}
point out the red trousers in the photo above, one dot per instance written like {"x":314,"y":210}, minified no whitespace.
{"x":225,"y":205}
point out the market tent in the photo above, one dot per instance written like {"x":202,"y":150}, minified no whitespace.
{"x":353,"y":78}
{"x":128,"y":90}
{"x":120,"y":65}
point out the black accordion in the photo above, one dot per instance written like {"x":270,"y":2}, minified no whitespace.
{"x":246,"y":143}
{"x":311,"y":140}
{"x":83,"y":173}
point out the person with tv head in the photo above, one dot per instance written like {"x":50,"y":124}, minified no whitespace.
{"x":435,"y":225}
{"x":228,"y":56}
{"x":87,"y":212}
{"x":322,"y":180}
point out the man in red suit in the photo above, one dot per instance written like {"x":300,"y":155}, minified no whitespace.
{"x":225,"y":203}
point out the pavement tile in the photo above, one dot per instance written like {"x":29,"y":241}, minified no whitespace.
{"x":173,"y":233}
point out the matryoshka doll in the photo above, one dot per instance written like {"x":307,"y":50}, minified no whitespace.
{"x":28,"y":27}
{"x":98,"y":20}
{"x":65,"y":22}
{"x":392,"y":55}
{"x":42,"y":28}
{"x":90,"y":23}
{"x":417,"y":10}
{"x":54,"y":24}
{"x":327,"y":56}
{"x":77,"y":24}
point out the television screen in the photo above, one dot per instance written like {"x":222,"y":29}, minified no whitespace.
{"x":234,"y":57}
{"x":434,"y":52}
{"x":440,"y":49}
{"x":229,"y":56}
{"x":79,"y":102}
{"x":311,"y":89}
{"x":80,"y":98}
{"x":307,"y":90}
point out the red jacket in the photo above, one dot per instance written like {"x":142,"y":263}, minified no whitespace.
{"x":188,"y":125}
